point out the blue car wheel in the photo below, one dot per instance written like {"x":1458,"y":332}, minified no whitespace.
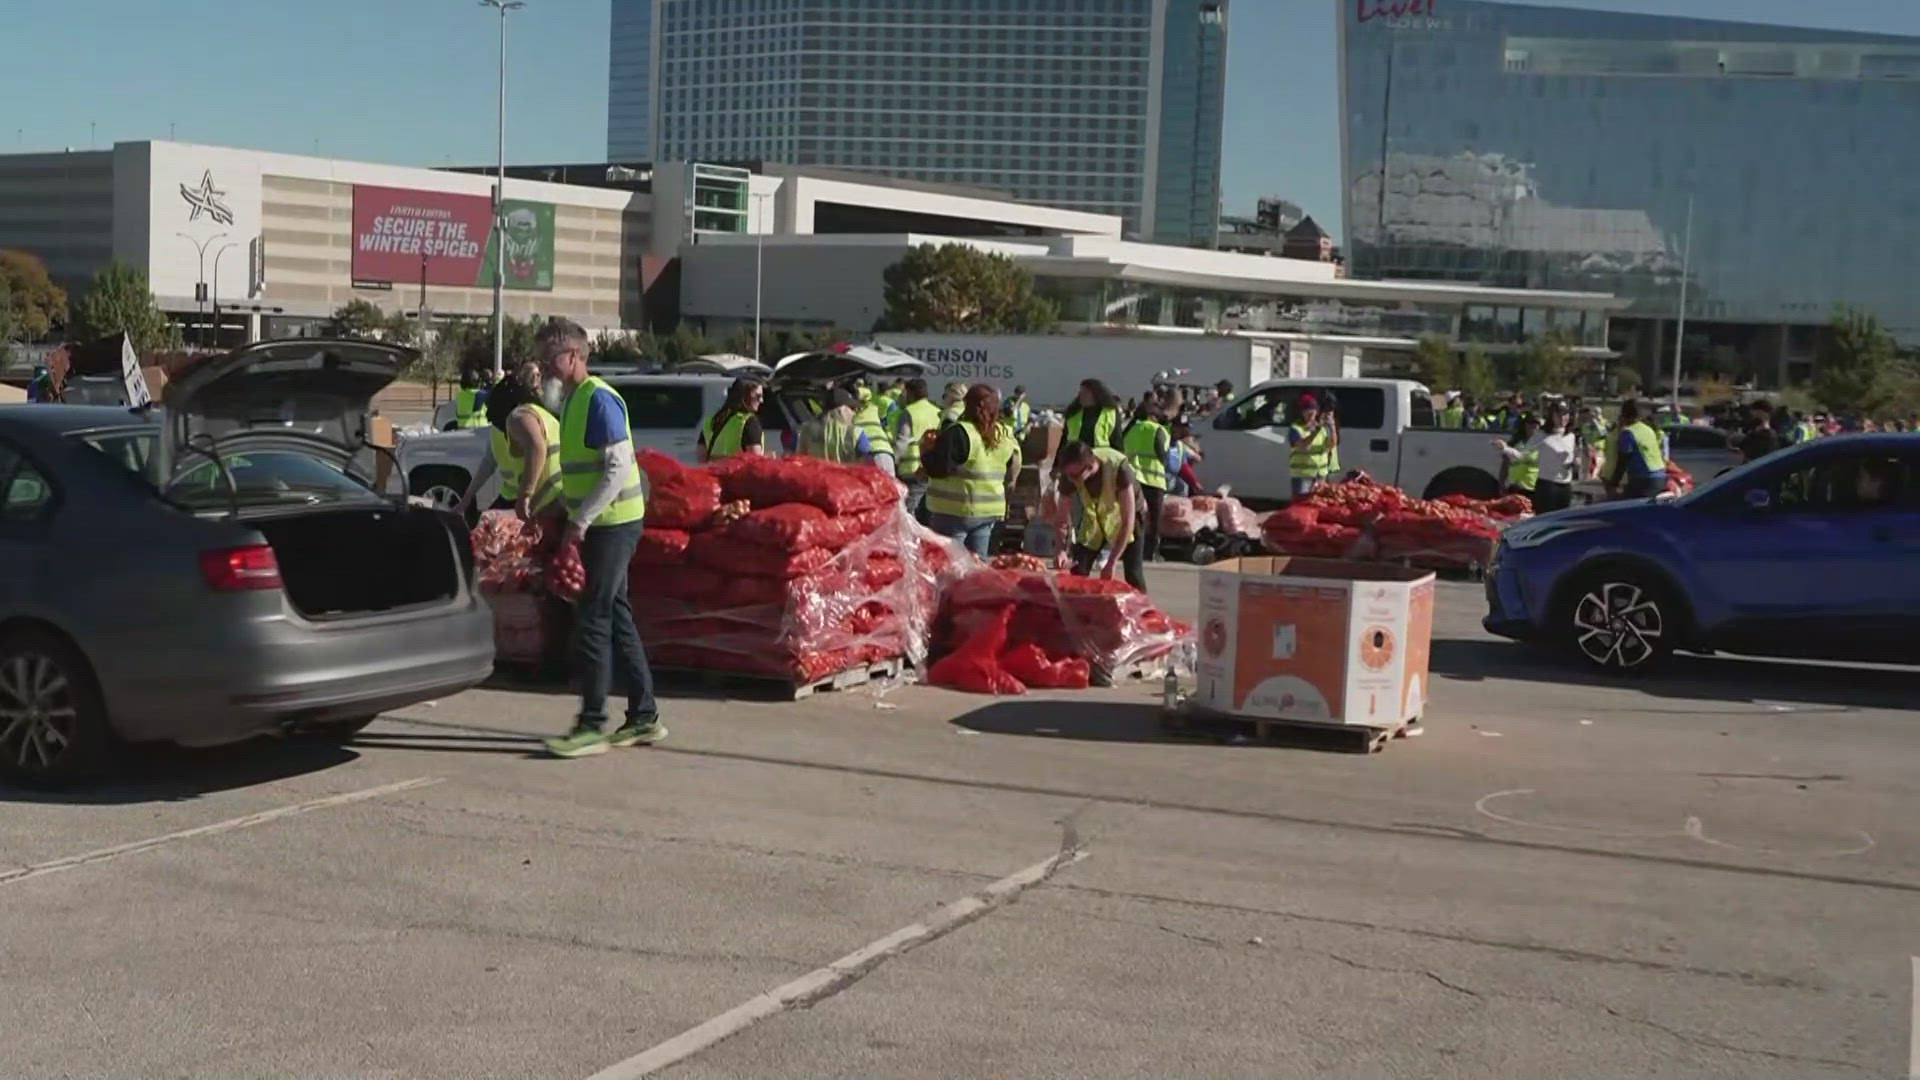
{"x":1620,"y":620}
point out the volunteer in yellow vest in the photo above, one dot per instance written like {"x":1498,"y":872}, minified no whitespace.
{"x":953,"y":402}
{"x":1019,"y":411}
{"x":1638,"y":465}
{"x":524,"y":450}
{"x":1094,"y":417}
{"x":1110,"y":510}
{"x":606,"y":510}
{"x":1145,"y":443}
{"x":470,"y":401}
{"x":735,"y":427}
{"x":913,"y":421}
{"x":1311,"y":440}
{"x":835,"y":435}
{"x":972,"y":464}
{"x":1523,"y":457}
{"x":866,"y":417}
{"x":1455,"y":414}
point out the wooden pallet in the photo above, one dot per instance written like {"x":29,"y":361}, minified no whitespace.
{"x":1198,"y":723}
{"x":730,"y":683}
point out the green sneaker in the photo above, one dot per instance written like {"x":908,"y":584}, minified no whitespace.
{"x":638,"y":734}
{"x":581,"y":742}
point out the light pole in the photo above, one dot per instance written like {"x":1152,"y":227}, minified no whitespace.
{"x":216,"y":289}
{"x":200,"y":280}
{"x":499,"y":193}
{"x":1680,"y":329}
{"x":759,"y":260}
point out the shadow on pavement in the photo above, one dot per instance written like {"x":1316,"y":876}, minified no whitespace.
{"x":1084,"y":720}
{"x":1687,"y":677}
{"x":164,"y":773}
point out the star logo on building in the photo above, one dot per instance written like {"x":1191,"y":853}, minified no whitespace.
{"x":207,"y":199}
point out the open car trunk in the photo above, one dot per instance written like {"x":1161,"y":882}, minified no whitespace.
{"x":340,"y":564}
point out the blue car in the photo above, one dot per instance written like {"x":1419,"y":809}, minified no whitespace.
{"x":1812,"y":553}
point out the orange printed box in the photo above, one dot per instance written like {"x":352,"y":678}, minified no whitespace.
{"x":1315,"y":640}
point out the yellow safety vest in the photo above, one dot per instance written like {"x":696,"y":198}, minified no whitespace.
{"x":1453,"y":416}
{"x":1100,"y":514}
{"x":1021,"y":413}
{"x":1311,"y":457}
{"x":1524,"y":473}
{"x":580,"y":465}
{"x":468,"y":409}
{"x":726,"y":441}
{"x":978,"y":488}
{"x":1145,"y":446}
{"x":831,"y":439}
{"x":914,"y":420}
{"x":867,"y":419}
{"x":513,"y":467}
{"x":1103,"y":424}
{"x":1647,"y":442}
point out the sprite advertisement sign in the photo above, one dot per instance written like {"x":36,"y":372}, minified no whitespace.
{"x":402,"y":235}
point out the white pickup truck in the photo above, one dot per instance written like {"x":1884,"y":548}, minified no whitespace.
{"x":666,"y":412}
{"x":1387,"y":427}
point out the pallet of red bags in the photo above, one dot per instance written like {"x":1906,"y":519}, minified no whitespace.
{"x":789,"y":574}
{"x":1011,"y":626}
{"x":1363,"y":520}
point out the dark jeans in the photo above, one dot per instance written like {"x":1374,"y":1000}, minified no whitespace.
{"x":1645,"y":487}
{"x":1086,"y":560}
{"x":604,"y":636}
{"x":1151,"y":527}
{"x":1549,"y":496}
{"x":915,"y":500}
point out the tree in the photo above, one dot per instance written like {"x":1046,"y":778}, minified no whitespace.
{"x":1854,"y":367}
{"x":34,"y":304}
{"x":608,"y":348}
{"x":1476,"y":375}
{"x":120,"y":301}
{"x":739,"y":343}
{"x":475,"y":339}
{"x":1625,"y":379}
{"x":684,"y":344}
{"x":1437,"y":366}
{"x":357,"y":318}
{"x":1546,"y":366}
{"x":955,"y":288}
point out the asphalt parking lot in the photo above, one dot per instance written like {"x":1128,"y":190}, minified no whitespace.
{"x":1713,"y":874}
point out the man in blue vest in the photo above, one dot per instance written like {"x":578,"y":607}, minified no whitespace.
{"x":606,"y":509}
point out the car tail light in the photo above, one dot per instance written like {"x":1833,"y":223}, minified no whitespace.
{"x":240,"y":569}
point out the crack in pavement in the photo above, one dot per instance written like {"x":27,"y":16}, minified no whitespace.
{"x":580,"y":942}
{"x":1780,"y":982}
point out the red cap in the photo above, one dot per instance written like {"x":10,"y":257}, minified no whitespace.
{"x":1308,"y":401}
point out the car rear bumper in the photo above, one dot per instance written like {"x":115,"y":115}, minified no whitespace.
{"x":257,"y":677}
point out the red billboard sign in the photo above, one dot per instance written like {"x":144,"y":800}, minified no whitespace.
{"x":396,"y":231}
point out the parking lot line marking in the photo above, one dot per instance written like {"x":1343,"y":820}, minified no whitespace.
{"x":826,"y":981}
{"x":1913,"y":1030}
{"x":248,"y":821}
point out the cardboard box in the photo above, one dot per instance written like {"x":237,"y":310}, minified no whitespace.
{"x":1319,"y":641}
{"x":380,"y":433}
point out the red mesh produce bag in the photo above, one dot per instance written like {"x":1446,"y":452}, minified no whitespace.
{"x":1234,"y":519}
{"x":510,"y":555}
{"x":681,"y":583}
{"x":1181,"y":517}
{"x":837,"y":489}
{"x":1109,"y":624}
{"x":720,"y":551}
{"x":789,"y":527}
{"x":1029,"y":664}
{"x":566,"y":574}
{"x":661,"y":547}
{"x":677,"y":497}
{"x":974,"y":667}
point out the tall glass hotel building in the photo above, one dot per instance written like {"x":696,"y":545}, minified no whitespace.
{"x":1106,"y":106}
{"x":1557,"y":148}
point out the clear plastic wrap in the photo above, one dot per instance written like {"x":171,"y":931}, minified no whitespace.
{"x":1234,"y":519}
{"x":1363,"y":520}
{"x":1182,"y":517}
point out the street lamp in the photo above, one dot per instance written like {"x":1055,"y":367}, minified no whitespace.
{"x":499,"y":193}
{"x":1680,"y":328}
{"x":200,"y":281}
{"x":759,"y":258}
{"x":216,"y":288}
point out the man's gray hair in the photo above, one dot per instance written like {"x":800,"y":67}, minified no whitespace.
{"x":561,"y":331}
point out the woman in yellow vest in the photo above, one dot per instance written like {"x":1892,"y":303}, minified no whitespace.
{"x":836,"y":435}
{"x":953,"y":402}
{"x":1146,"y":442}
{"x":735,"y":427}
{"x":606,"y":502}
{"x":524,"y":450}
{"x":973,"y":464}
{"x":470,"y":401}
{"x":1311,"y":439}
{"x":1110,"y":509}
{"x":1094,"y":417}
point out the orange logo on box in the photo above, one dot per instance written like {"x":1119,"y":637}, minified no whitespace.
{"x":1214,"y":637}
{"x":1376,"y":647}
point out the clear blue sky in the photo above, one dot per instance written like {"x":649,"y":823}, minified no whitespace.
{"x":412,"y":81}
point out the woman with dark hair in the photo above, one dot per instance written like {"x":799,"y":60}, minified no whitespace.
{"x":524,"y":449}
{"x":1094,"y":416}
{"x":1146,"y":442}
{"x":735,"y":428}
{"x":973,"y":463}
{"x":1110,"y":509}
